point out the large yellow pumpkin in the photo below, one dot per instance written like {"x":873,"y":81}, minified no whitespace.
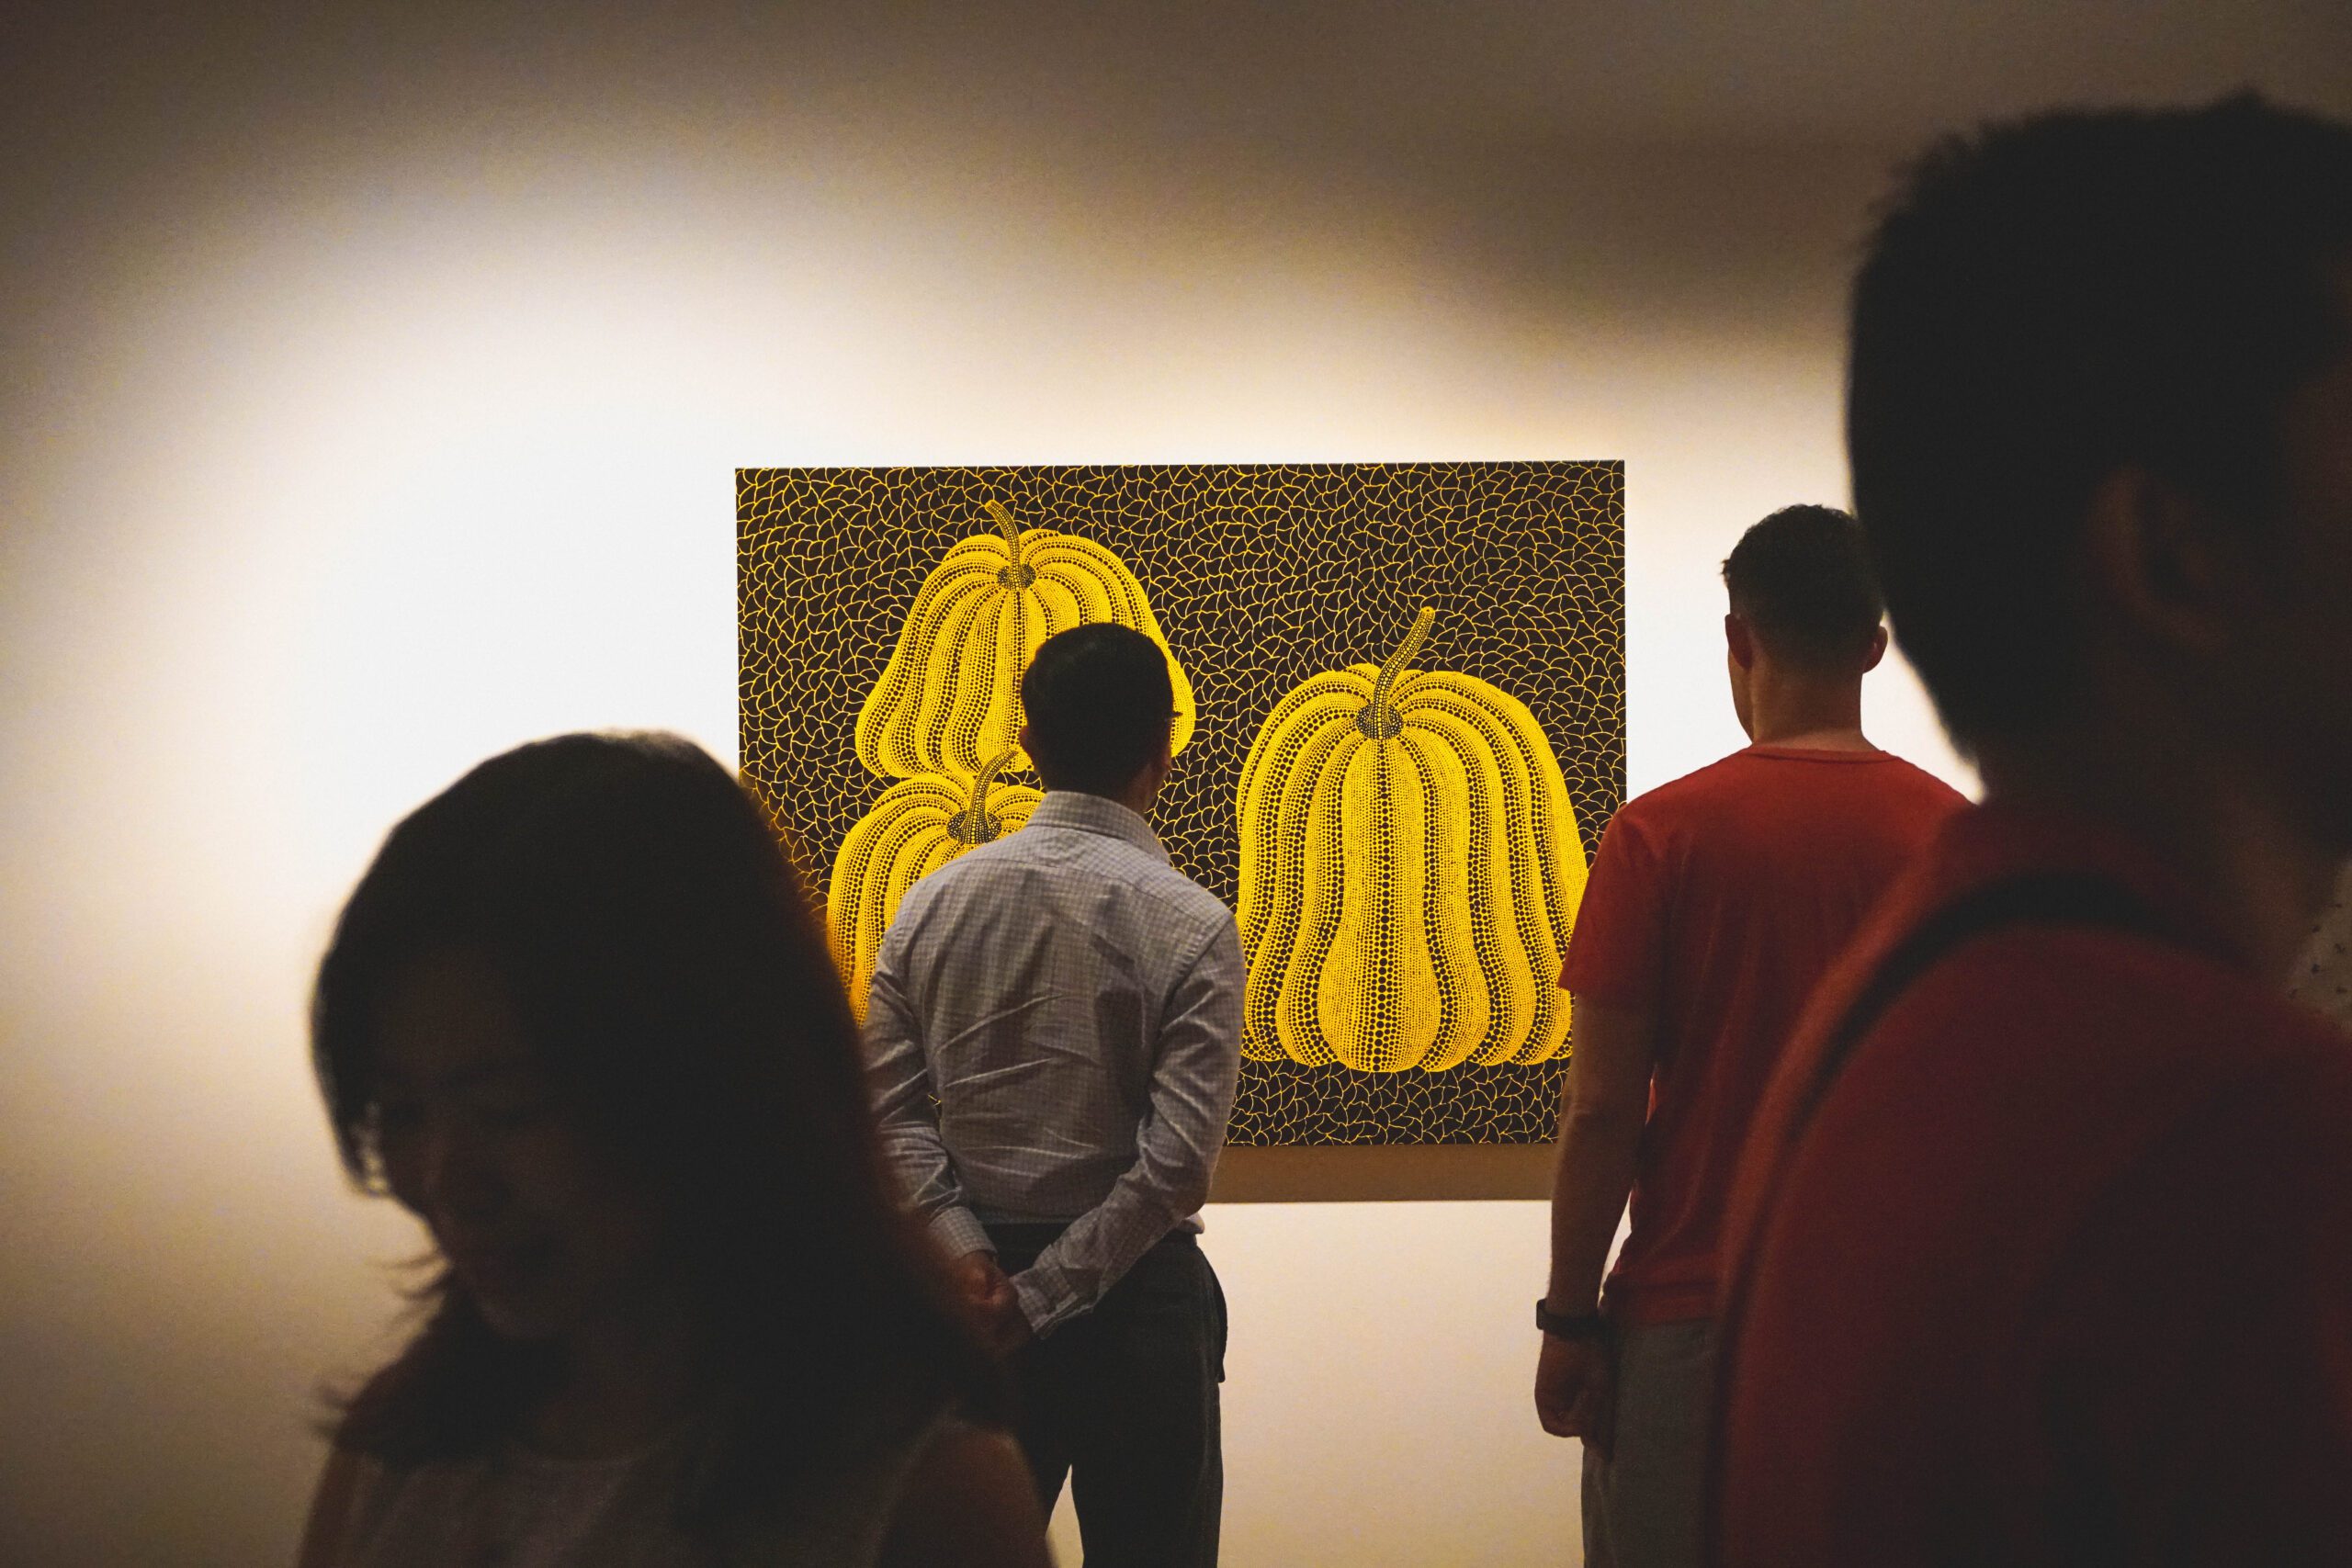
{"x":1410,"y":869}
{"x":951,"y":693}
{"x":918,"y":826}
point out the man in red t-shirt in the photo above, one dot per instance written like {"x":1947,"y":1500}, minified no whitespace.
{"x":1715,"y":904}
{"x":2041,"y":1249}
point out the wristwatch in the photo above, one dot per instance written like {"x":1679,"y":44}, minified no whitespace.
{"x":1561,"y":1326}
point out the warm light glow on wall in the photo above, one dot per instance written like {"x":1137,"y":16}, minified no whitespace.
{"x":339,"y":487}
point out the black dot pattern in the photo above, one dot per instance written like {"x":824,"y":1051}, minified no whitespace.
{"x":1260,"y":577}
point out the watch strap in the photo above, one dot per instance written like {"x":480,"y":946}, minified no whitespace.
{"x":1569,"y":1326}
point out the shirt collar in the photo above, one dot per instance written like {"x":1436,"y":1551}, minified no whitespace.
{"x":1096,"y":814}
{"x":1815,"y":753}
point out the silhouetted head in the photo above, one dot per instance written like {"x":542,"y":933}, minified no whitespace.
{"x":2088,"y":355}
{"x":1803,"y":628}
{"x":1098,"y":704}
{"x":1802,"y":581}
{"x":577,"y":1016}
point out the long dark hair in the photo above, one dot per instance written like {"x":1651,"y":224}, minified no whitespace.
{"x":634,"y":899}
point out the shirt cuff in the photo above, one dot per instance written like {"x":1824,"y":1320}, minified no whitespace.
{"x":958,"y":1232}
{"x":1044,"y":1306}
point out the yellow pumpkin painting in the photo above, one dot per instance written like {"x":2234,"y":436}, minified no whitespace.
{"x":950,"y":695}
{"x":918,"y":825}
{"x":1410,"y":868}
{"x":1401,"y":855}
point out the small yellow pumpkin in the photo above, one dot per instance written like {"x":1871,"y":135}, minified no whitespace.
{"x":1410,"y":869}
{"x":918,"y":825}
{"x":951,"y":694}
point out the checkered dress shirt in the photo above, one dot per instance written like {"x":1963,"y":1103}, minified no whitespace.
{"x":1054,"y":1034}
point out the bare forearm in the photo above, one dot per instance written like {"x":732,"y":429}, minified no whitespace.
{"x":1605,"y":1100}
{"x":1589,"y":1185}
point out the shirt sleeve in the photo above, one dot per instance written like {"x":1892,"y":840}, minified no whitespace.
{"x":1617,"y":951}
{"x":898,"y":1075}
{"x":1176,"y":1146}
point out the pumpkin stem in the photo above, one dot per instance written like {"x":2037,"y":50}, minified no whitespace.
{"x":1380,"y":718}
{"x":1006,"y":524}
{"x":973,"y":820}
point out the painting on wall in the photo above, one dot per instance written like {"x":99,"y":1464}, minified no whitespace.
{"x":1400,"y":695}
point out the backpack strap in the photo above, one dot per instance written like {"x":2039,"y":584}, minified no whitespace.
{"x":2054,"y":898}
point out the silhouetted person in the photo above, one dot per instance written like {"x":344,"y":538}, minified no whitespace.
{"x":1055,"y":1028}
{"x":577,"y":1017}
{"x":1715,"y":905}
{"x":2044,"y":1246}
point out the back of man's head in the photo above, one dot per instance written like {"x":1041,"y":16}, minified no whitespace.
{"x":1099,"y":703}
{"x":1802,"y":581}
{"x":2047,"y":303}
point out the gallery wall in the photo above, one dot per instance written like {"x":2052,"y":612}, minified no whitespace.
{"x":374,"y":402}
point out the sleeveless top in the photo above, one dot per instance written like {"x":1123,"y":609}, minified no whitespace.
{"x":2322,"y":976}
{"x":519,"y":1508}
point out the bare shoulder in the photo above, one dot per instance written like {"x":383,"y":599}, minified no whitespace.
{"x":968,"y":1500}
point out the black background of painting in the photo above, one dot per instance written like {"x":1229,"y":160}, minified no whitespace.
{"x":1260,"y":575}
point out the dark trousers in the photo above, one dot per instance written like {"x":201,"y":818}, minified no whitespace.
{"x":1121,"y":1403}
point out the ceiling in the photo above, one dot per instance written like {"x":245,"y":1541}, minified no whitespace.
{"x":1390,"y":74}
{"x":111,"y":113}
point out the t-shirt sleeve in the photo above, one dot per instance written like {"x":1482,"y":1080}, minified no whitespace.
{"x":1617,"y":951}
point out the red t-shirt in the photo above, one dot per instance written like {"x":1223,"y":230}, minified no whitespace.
{"x":1716,"y":902}
{"x":2060,"y":1268}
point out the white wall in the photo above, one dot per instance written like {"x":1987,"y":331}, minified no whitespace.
{"x":353,"y":440}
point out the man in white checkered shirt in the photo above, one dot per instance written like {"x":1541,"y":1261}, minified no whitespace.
{"x":1054,"y":1033}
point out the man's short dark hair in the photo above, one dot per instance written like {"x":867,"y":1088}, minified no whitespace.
{"x":1801,"y":580}
{"x":1099,"y":703}
{"x":2047,"y":302}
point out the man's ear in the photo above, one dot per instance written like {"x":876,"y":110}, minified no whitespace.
{"x":2175,"y":569}
{"x":1878,"y":648}
{"x":1740,"y":638}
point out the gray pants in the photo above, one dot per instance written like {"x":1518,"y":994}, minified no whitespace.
{"x":1642,"y":1503}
